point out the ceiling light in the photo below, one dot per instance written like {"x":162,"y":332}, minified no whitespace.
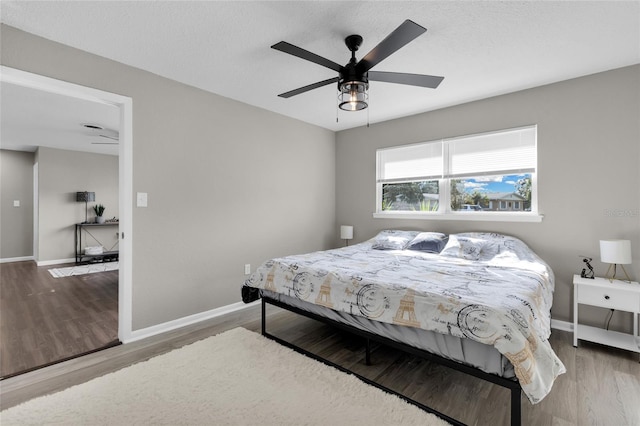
{"x":354,"y":95}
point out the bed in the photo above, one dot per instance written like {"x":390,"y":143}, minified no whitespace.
{"x":479,"y":301}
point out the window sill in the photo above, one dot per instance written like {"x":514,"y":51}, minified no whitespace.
{"x":487,"y":217}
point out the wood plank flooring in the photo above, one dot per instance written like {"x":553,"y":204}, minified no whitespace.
{"x":45,"y":319}
{"x":601,"y":386}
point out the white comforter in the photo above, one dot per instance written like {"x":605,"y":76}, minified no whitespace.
{"x":502,"y":299}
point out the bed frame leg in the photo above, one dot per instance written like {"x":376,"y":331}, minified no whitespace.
{"x":264,"y":317}
{"x":367,"y":357}
{"x":516,"y":412}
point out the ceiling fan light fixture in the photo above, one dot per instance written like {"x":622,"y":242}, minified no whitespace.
{"x":353,"y":96}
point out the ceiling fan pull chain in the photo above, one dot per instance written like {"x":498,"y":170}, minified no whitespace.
{"x":368,"y":110}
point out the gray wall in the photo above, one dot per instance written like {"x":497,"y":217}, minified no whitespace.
{"x":16,"y":223}
{"x":228,"y":183}
{"x":61,"y":174}
{"x":588,"y":157}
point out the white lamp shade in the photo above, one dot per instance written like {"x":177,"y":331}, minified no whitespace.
{"x":346,"y":232}
{"x":615,"y":251}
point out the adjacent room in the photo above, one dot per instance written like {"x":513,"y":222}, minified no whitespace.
{"x":55,"y":304}
{"x":432,"y":200}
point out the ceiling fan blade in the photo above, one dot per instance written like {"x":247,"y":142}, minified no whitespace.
{"x":430,"y":81}
{"x":309,"y":87}
{"x":289,"y":48}
{"x":406,"y":32}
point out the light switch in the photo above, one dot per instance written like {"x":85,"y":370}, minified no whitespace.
{"x":16,"y":203}
{"x":142,"y":199}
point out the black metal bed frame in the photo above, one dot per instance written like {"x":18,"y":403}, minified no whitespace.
{"x":512,"y":385}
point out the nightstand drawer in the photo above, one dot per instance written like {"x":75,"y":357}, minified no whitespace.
{"x":612,"y":298}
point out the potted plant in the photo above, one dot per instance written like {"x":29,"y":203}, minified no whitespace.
{"x":99,"y":209}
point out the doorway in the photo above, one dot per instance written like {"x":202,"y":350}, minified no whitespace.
{"x":125,"y":173}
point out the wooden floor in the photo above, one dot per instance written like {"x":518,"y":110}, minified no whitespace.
{"x":45,"y":319}
{"x":601,"y":387}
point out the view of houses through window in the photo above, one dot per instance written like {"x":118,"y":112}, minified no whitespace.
{"x":490,"y":193}
{"x":490,"y":172}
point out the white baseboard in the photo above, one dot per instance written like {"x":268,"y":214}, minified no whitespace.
{"x":562,"y":325}
{"x":183,"y":322}
{"x":16,"y":259}
{"x":55,"y":262}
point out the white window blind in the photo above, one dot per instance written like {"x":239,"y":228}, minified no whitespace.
{"x":410,"y":163}
{"x":497,"y":153}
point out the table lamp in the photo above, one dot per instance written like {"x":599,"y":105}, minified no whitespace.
{"x":86,"y":197}
{"x":615,"y":252}
{"x":346,"y":233}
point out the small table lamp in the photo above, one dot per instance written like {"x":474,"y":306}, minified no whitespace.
{"x":346,"y":233}
{"x":86,"y":197}
{"x":615,"y":252}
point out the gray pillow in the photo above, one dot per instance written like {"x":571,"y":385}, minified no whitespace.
{"x":430,"y":242}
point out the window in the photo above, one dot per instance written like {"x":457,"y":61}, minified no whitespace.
{"x":476,"y":175}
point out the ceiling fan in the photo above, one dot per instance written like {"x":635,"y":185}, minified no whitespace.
{"x":353,"y":78}
{"x":103,"y":132}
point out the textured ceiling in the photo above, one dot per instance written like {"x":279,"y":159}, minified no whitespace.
{"x":482,"y":48}
{"x":32,"y":118}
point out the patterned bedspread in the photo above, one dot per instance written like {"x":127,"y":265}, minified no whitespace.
{"x":487,"y":287}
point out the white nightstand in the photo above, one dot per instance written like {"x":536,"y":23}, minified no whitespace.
{"x":618,"y":295}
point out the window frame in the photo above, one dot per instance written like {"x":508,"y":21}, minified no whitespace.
{"x":444,"y":205}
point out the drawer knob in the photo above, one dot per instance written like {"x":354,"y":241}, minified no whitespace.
{"x":606,"y":297}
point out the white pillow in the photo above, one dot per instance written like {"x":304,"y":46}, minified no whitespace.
{"x":468,"y":248}
{"x":393,"y":240}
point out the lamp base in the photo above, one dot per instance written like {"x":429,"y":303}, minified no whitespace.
{"x":613,"y":277}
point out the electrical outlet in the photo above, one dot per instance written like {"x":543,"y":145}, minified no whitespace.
{"x":16,"y":203}
{"x":247,"y":269}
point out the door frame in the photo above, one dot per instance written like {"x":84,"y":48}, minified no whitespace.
{"x":125,"y":175}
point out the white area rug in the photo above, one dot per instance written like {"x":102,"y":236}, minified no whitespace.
{"x":235,"y":378}
{"x":83,"y":269}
